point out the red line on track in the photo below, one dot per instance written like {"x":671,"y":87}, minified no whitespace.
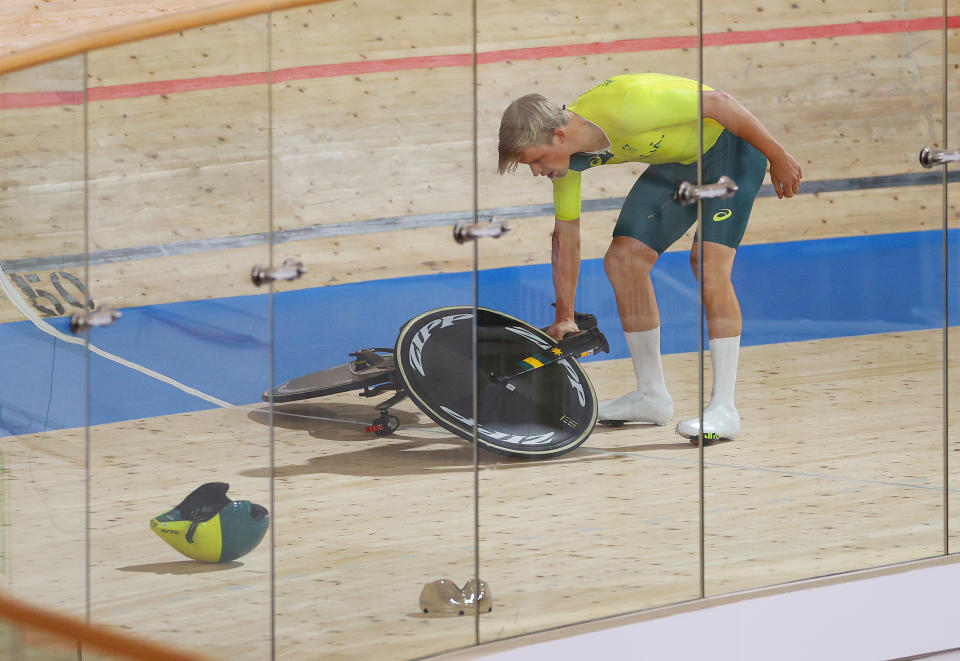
{"x":134,"y":90}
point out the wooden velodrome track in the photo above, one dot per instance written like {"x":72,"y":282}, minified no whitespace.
{"x":839,"y":466}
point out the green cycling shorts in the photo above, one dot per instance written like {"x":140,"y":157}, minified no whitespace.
{"x":653,"y":216}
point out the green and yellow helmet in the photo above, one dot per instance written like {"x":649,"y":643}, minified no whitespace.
{"x":209,"y":527}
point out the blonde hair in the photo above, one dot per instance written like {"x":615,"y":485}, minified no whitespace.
{"x":530,"y":120}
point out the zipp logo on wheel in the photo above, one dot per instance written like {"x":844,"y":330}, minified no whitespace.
{"x":416,"y":347}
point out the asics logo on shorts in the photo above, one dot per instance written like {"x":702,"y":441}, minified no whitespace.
{"x":723,"y":214}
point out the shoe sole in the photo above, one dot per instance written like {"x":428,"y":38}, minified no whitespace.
{"x":612,"y":423}
{"x":709,"y":438}
{"x":621,"y":423}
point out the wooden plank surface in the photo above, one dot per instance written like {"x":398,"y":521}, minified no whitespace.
{"x":192,"y":165}
{"x":610,"y":528}
{"x":839,"y":465}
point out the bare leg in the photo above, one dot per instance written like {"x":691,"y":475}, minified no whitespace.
{"x":628,"y":263}
{"x":719,"y":298}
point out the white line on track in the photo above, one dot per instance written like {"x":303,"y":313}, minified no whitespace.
{"x":20,"y":304}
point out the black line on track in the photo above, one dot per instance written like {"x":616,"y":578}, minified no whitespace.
{"x":31,"y":264}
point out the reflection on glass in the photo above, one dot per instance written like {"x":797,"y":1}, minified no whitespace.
{"x":42,"y":394}
{"x":179,"y":491}
{"x":372,"y":168}
{"x":952,"y":101}
{"x":611,"y":526}
{"x":838,"y":464}
{"x":832,"y":463}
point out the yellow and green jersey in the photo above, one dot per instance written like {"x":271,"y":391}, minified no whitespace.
{"x":648,"y":118}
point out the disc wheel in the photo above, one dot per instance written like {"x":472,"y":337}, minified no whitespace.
{"x":541,"y":413}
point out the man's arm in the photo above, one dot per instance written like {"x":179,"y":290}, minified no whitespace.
{"x":785,"y":171}
{"x":566,"y":270}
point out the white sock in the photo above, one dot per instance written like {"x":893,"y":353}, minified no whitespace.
{"x":645,"y":351}
{"x":720,"y":416}
{"x":650,"y":402}
{"x":724,"y":355}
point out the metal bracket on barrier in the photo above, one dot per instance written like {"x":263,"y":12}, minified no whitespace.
{"x":689,"y":193}
{"x":291,"y":269}
{"x":87,"y":319}
{"x":464,"y":232}
{"x":930,"y":157}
